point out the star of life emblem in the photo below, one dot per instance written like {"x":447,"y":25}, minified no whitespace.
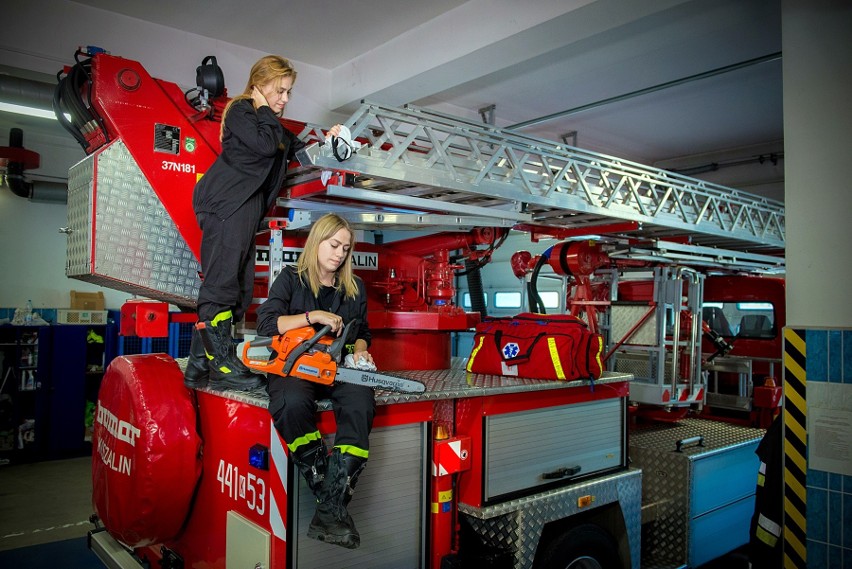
{"x":510,"y":350}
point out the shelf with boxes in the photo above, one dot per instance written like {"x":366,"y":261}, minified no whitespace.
{"x":51,"y":377}
{"x":23,"y":411}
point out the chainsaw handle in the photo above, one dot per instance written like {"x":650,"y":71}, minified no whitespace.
{"x":336,"y":348}
{"x":268,"y":366}
{"x":261,"y":342}
{"x":302,"y":348}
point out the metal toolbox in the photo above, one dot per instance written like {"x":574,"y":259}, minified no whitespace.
{"x":698,"y":486}
{"x":572,"y":441}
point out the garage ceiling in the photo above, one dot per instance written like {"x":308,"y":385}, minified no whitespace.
{"x":648,"y":81}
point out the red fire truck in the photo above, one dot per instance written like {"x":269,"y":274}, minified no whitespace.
{"x":479,"y":470}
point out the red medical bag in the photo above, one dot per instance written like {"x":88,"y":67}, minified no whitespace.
{"x":537,"y":346}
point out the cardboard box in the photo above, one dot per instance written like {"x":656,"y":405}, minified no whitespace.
{"x":87,"y":300}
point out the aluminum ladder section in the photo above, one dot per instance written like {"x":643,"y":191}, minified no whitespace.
{"x":417,"y":160}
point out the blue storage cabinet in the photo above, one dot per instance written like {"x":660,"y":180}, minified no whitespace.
{"x":698,"y":486}
{"x":53,"y":377}
{"x":80,"y":355}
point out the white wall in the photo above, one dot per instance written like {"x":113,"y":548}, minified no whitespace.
{"x":42,"y":36}
{"x":818,"y":147}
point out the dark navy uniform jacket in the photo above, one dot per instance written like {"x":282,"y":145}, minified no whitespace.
{"x":255,"y":151}
{"x":290,"y":295}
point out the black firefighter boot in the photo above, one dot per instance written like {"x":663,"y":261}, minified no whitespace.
{"x":332,"y":522}
{"x":226,"y":369}
{"x":197,"y":371}
{"x":313,"y":464}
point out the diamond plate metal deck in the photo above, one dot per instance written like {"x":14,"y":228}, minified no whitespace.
{"x":517,"y":525}
{"x":440,"y":384}
{"x":137,"y":247}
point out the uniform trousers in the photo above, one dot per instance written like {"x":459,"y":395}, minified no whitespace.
{"x":292,"y":404}
{"x":228,"y":260}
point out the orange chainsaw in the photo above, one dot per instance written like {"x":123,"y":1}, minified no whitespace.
{"x":314,"y":356}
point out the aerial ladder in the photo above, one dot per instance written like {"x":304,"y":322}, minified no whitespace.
{"x":417,"y":167}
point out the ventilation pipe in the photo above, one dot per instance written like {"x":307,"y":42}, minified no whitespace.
{"x":26,"y":92}
{"x":17,"y":160}
{"x":36,"y":94}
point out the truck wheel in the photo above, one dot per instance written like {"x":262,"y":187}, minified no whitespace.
{"x":584,"y":547}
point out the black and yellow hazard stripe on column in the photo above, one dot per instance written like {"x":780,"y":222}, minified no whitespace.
{"x":795,"y":449}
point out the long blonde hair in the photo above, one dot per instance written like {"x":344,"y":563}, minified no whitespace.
{"x":308,"y":266}
{"x":267,"y":69}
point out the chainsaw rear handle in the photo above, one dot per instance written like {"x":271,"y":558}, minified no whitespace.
{"x":266,"y":366}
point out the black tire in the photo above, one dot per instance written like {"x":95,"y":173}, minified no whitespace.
{"x":584,"y":547}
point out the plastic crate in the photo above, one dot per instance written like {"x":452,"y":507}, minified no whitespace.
{"x":67,"y":316}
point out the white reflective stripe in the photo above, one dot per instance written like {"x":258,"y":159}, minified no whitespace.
{"x":276,"y":522}
{"x":277,"y":455}
{"x":438,"y":469}
{"x":769,"y":525}
{"x":278,"y":460}
{"x":762,"y":468}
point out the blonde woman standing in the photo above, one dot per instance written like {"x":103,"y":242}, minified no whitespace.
{"x":230,"y":201}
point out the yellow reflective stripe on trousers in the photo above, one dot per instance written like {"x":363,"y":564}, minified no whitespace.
{"x":353,"y":450}
{"x":474,"y":352}
{"x":765,"y":536}
{"x":303,"y":440}
{"x":221,"y":317}
{"x":554,"y":357}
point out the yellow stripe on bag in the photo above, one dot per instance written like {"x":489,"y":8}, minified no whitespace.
{"x":554,"y":356}
{"x":474,"y":352}
{"x":599,"y":352}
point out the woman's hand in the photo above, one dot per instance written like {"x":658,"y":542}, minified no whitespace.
{"x":363,"y":355}
{"x":333,"y":131}
{"x":258,"y":98}
{"x":327,"y":318}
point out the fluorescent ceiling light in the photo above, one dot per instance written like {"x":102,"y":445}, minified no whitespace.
{"x":29,"y":111}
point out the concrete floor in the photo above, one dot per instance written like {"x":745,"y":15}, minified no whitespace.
{"x":45,"y":502}
{"x":50,"y":502}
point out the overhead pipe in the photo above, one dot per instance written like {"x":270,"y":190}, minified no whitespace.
{"x":27,"y":93}
{"x":36,"y":94}
{"x":46,"y":192}
{"x":660,"y":87}
{"x":772,"y":158}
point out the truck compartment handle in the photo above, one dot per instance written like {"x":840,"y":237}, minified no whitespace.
{"x":561,"y":473}
{"x":699,"y":441}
